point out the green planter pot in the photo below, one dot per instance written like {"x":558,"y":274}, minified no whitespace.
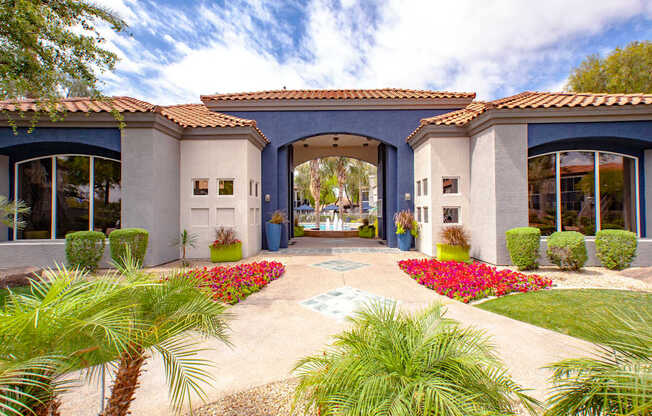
{"x":447,"y":252}
{"x":226,"y":253}
{"x":366,"y":232}
{"x":298,"y":231}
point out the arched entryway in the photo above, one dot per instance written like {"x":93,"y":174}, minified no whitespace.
{"x":350,"y":146}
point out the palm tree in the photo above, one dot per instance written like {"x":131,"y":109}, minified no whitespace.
{"x":394,"y":363}
{"x":64,"y":323}
{"x":617,"y":380}
{"x":338,"y":167}
{"x":169,"y":315}
{"x":315,"y":187}
{"x":185,"y":240}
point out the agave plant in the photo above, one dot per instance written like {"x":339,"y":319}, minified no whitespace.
{"x":394,"y":363}
{"x":617,"y":380}
{"x":169,"y":315}
{"x":64,"y":323}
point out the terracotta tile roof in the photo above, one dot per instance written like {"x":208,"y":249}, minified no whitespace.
{"x":533,"y":100}
{"x":197,"y":115}
{"x":81,"y":104}
{"x":374,"y":94}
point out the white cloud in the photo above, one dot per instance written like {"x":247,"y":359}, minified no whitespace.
{"x":487,"y":47}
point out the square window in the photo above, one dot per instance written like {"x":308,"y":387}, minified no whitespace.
{"x":418,"y":188}
{"x":450,"y":185}
{"x":425,"y":186}
{"x":200,"y":187}
{"x":225,"y":187}
{"x":451,"y":215}
{"x":425,"y":215}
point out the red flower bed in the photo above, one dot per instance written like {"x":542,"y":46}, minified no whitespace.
{"x":234,"y":283}
{"x":466,"y":282}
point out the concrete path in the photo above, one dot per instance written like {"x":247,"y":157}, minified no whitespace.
{"x":271,"y":330}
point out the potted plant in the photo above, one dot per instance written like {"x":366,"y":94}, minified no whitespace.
{"x":273,"y":230}
{"x":298,"y":229}
{"x":225,"y":247}
{"x":455,"y":244}
{"x":406,"y":228}
{"x":366,"y":230}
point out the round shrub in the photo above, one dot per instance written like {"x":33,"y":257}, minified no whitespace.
{"x":567,"y":250}
{"x":523,"y":246}
{"x":84,"y":249}
{"x":616,"y":249}
{"x":133,"y":240}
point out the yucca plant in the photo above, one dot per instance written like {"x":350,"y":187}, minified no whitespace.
{"x":617,"y":380}
{"x":171,"y":314}
{"x":64,"y":323}
{"x":394,"y":363}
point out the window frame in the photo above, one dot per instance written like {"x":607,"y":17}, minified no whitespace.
{"x":457,"y":178}
{"x":53,"y":195}
{"x":596,"y":185}
{"x":459,"y":214}
{"x":218,"y":188}
{"x":208,"y":187}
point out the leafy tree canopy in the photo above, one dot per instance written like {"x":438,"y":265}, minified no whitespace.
{"x":48,"y":47}
{"x":627,"y":70}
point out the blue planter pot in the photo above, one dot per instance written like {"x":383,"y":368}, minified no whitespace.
{"x":404,"y":241}
{"x":273,"y":233}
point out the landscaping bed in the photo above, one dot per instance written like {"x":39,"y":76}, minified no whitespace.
{"x":232,"y":284}
{"x":467,"y":282}
{"x":571,"y":311}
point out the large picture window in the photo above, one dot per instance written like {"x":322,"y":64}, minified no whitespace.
{"x":582,"y":191}
{"x":68,"y":193}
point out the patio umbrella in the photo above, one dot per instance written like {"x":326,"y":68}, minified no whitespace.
{"x":331,"y":207}
{"x":304,"y":208}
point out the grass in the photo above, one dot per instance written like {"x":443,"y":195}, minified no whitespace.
{"x":570,"y":311}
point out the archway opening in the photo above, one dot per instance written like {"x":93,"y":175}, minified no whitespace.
{"x":348,"y":171}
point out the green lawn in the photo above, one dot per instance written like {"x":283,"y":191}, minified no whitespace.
{"x":569,"y":311}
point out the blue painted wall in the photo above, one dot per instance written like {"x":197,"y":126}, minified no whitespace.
{"x":388,"y":126}
{"x":626,"y":137}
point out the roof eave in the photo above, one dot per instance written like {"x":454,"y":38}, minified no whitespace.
{"x":426,"y":131}
{"x":332,"y":104}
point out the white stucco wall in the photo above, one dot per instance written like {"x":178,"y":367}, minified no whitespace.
{"x":4,"y":190}
{"x":422,"y":169}
{"x":648,"y":192}
{"x":150,"y":189}
{"x":220,"y":159}
{"x":498,"y":189}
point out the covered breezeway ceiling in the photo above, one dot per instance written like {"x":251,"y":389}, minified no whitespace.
{"x":358,"y":147}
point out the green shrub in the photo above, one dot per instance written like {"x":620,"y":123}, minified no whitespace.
{"x":616,"y":249}
{"x":523,"y":246}
{"x":567,"y":250}
{"x":84,"y":249}
{"x":132,"y":239}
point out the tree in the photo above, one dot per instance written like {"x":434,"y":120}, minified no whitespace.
{"x":338,"y":167}
{"x":43,"y":52}
{"x":627,"y":70}
{"x":169,"y":316}
{"x":617,"y":380}
{"x":315,"y":187}
{"x":358,"y":179}
{"x":393,"y":363}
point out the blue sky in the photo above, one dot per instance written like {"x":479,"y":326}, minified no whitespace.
{"x":174,"y":51}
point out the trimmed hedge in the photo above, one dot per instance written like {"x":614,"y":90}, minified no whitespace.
{"x":132,"y":239}
{"x":616,"y":249}
{"x":567,"y":250}
{"x":84,"y":249}
{"x":523,"y":246}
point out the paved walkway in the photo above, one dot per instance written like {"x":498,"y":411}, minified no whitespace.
{"x":272,"y":329}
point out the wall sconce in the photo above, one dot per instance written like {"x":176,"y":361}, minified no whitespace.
{"x":268,"y":197}
{"x":407,"y":196}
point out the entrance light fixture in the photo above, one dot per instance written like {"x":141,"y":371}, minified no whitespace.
{"x":408,"y":196}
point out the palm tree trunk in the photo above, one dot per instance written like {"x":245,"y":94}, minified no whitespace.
{"x":315,"y":188}
{"x":126,"y":382}
{"x":360,"y":196}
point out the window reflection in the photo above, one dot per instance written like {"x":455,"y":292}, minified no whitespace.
{"x":73,"y":179}
{"x":577,"y":184}
{"x":617,"y":197}
{"x":108,"y":196}
{"x":35,"y":189}
{"x":542,"y":193}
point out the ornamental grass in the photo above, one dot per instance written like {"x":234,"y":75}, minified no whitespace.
{"x":232,"y":284}
{"x":467,"y":282}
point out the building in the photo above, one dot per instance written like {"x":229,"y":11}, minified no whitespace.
{"x":559,"y":161}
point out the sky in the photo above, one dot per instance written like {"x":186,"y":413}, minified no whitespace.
{"x":174,"y":51}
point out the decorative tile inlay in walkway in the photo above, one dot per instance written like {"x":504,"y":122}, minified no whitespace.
{"x":340,"y":265}
{"x":342,"y":302}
